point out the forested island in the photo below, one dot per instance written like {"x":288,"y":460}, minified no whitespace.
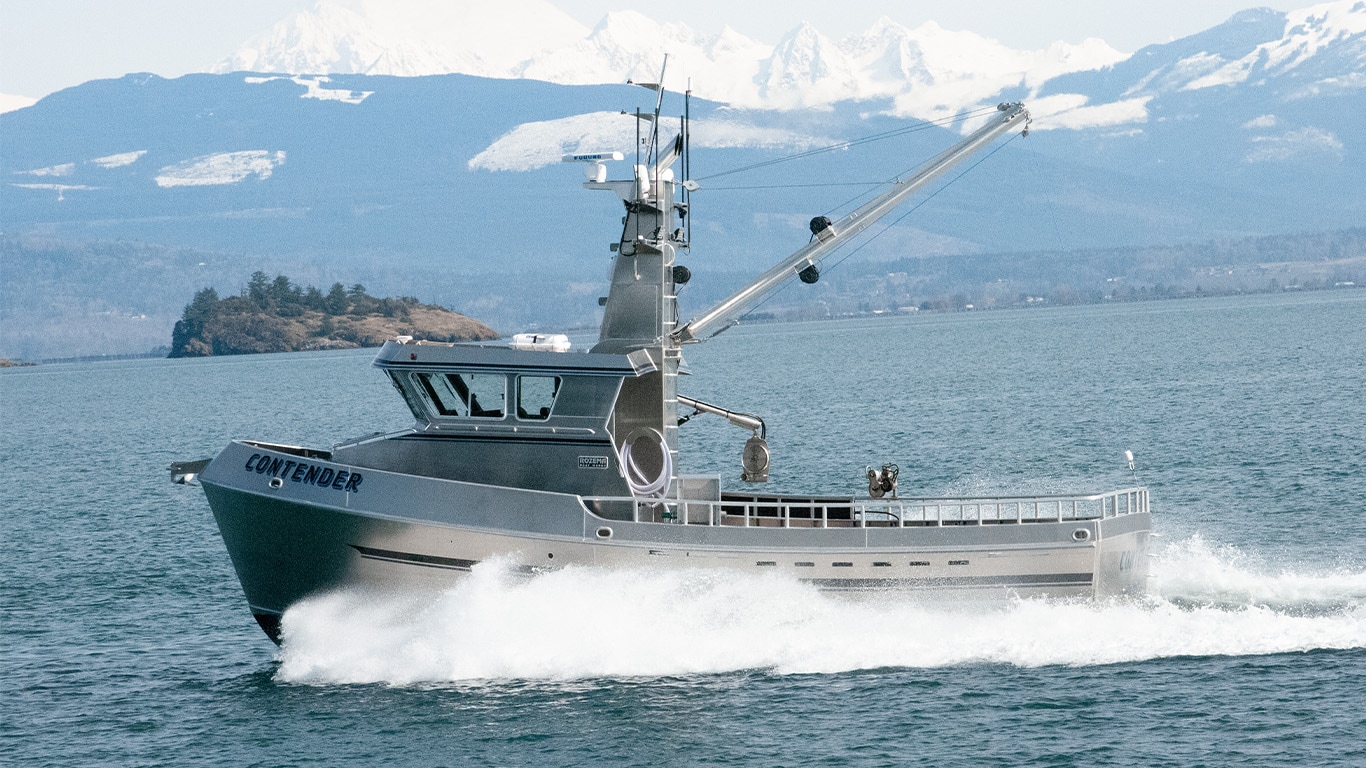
{"x":280,"y":316}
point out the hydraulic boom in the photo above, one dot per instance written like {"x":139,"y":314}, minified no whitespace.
{"x":832,"y":235}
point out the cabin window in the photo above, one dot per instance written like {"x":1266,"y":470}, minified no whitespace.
{"x":442,"y":393}
{"x":488,"y":393}
{"x":536,"y":396}
{"x":479,"y":395}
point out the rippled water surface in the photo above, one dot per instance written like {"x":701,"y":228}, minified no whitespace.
{"x":126,"y":640}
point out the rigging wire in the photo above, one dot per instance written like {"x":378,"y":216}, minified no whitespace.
{"x":871,"y":185}
{"x":928,"y":198}
{"x":800,"y":186}
{"x":921,"y":126}
{"x":897,"y":220}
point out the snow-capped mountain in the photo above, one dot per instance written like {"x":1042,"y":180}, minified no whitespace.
{"x":10,"y":102}
{"x":626,"y":45}
{"x":1251,"y":127}
{"x":1312,"y":52}
{"x":807,"y":69}
{"x":406,"y":38}
{"x":1265,"y":105}
{"x":926,"y":71}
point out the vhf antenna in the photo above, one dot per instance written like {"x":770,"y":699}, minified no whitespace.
{"x":658,"y":88}
{"x":687,"y":156}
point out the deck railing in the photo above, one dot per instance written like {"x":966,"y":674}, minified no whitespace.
{"x":863,"y":513}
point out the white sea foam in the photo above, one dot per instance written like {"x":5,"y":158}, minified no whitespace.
{"x":585,"y":623}
{"x":1194,"y":572}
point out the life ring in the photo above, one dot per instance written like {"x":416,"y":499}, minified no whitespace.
{"x":647,"y":463}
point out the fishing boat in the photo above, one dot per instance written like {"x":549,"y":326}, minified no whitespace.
{"x":543,"y":456}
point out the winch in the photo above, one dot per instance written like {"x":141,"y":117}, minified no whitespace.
{"x":754,"y":460}
{"x":881,"y":483}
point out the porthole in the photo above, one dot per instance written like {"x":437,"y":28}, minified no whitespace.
{"x":604,"y":532}
{"x":276,"y":482}
{"x":1081,"y":534}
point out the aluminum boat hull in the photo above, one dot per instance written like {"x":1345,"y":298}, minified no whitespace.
{"x":289,"y":539}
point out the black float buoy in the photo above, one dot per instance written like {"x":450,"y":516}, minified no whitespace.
{"x":809,"y":275}
{"x":682,"y":275}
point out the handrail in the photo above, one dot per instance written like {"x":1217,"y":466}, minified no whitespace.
{"x":863,"y":513}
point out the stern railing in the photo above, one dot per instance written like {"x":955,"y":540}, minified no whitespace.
{"x":880,"y":513}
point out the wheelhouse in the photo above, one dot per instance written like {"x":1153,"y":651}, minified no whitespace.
{"x":465,"y":387}
{"x":499,"y":415}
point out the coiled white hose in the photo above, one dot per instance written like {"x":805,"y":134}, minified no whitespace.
{"x":636,"y":479}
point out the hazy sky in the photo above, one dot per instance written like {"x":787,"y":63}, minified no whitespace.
{"x":46,"y":45}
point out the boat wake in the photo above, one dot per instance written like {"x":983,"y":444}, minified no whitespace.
{"x":591,"y":623}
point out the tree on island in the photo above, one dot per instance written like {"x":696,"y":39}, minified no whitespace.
{"x":280,"y":316}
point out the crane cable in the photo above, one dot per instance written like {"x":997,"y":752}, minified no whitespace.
{"x":898,"y":219}
{"x":920,"y":126}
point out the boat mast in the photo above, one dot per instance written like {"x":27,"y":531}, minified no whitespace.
{"x":641,"y":311}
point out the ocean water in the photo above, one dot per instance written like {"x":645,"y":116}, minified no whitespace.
{"x":124,"y":639}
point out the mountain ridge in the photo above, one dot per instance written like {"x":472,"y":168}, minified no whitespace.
{"x":454,"y":181}
{"x":803,"y":69}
